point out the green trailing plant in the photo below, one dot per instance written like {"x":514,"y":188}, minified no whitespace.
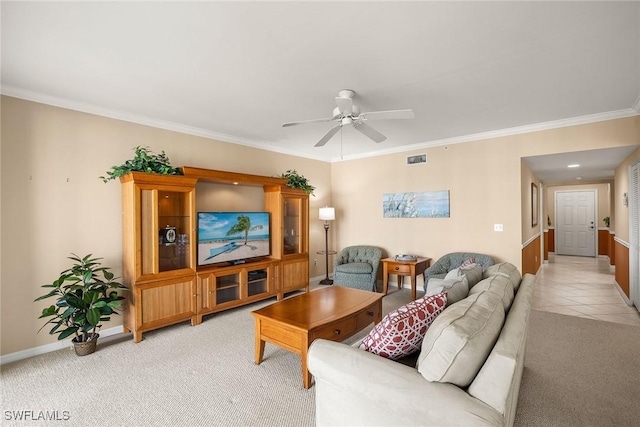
{"x":298,"y":181}
{"x":86,"y":295}
{"x":144,"y":160}
{"x":548,"y":220}
{"x":607,"y":221}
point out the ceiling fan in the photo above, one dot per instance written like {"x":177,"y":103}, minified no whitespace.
{"x":346,"y":113}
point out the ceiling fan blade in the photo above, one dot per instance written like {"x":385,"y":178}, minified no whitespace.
{"x":304,"y":122}
{"x":345,"y":105}
{"x":327,"y":136}
{"x":369,"y":131}
{"x":386,"y":115}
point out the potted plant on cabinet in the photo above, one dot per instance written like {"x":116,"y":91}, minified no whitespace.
{"x":298,"y":181}
{"x":144,"y":160}
{"x":86,"y":295}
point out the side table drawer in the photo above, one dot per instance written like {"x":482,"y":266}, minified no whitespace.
{"x":400,"y":269}
{"x":336,"y":331}
{"x":365,"y":318}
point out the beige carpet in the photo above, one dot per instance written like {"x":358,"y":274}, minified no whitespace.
{"x":177,"y":376}
{"x":579,"y":372}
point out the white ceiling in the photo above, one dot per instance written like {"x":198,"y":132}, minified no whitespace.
{"x":236,"y":71}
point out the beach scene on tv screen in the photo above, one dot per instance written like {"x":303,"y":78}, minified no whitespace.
{"x":231,"y":236}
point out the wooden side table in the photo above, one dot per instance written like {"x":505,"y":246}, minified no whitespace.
{"x":401,"y":269}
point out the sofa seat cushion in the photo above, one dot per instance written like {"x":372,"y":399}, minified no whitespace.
{"x":458,"y":342}
{"x":499,"y":285}
{"x":456,"y":289}
{"x":400,"y":333}
{"x":355,"y":268}
{"x":507,"y":270}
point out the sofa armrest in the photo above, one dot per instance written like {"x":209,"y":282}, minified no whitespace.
{"x":355,"y":387}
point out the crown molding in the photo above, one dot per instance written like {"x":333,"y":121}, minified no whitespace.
{"x":28,"y":95}
{"x":555,"y":124}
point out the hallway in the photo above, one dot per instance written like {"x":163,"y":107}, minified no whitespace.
{"x":584,"y":287}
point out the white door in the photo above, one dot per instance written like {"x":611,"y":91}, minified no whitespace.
{"x":575,"y":223}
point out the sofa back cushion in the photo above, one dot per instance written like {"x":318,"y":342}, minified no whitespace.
{"x":456,"y":289}
{"x":498,"y":285}
{"x":458,"y":342}
{"x":506,"y":269}
{"x":473,"y":273}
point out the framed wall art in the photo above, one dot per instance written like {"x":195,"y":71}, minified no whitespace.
{"x":534,"y":205}
{"x":422,"y":204}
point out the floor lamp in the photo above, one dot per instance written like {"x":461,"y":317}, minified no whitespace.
{"x":327,"y":214}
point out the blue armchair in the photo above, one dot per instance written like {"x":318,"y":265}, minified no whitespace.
{"x":452,"y":261}
{"x":357,"y":267}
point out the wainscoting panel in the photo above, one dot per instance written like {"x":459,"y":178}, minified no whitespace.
{"x":531,"y":256}
{"x":622,"y":267}
{"x":546,"y":245}
{"x":603,"y":242}
{"x":612,"y":249}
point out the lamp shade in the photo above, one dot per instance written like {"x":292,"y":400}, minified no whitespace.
{"x":327,"y":214}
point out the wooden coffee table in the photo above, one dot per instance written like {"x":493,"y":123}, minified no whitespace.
{"x":334,"y":313}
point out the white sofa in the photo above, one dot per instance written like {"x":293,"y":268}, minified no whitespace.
{"x":471,"y":382}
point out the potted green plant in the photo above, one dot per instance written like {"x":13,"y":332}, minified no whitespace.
{"x":144,"y":160}
{"x":86,"y":295}
{"x":607,"y":221}
{"x":298,"y":181}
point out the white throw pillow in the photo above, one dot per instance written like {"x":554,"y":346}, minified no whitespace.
{"x":458,"y":342}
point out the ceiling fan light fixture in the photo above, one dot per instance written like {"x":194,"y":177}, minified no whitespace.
{"x":346,"y":113}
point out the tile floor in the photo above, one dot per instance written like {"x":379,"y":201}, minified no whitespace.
{"x":581,"y":286}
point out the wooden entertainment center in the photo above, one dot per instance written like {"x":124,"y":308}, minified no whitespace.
{"x":165,"y":284}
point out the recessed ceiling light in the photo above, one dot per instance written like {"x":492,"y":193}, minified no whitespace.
{"x":578,"y":178}
{"x":573,"y":166}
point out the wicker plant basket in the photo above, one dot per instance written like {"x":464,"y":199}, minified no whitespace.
{"x":87,"y":347}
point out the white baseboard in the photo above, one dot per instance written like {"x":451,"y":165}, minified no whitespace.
{"x":48,"y":348}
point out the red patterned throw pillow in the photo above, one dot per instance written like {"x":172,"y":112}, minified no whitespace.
{"x":401,"y":332}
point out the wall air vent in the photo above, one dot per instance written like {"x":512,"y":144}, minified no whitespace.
{"x":417,"y":159}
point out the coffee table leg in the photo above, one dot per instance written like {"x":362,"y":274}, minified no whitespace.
{"x":259,"y":344}
{"x":306,"y":375}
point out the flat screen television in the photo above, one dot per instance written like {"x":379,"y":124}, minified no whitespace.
{"x":232,"y":237}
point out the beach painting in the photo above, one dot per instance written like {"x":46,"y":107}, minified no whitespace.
{"x":423,"y":204}
{"x":232,"y":236}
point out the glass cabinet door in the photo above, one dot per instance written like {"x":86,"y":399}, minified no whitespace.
{"x":166,"y":230}
{"x":292,"y":226}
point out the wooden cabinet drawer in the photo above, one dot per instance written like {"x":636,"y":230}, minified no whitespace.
{"x":400,"y":269}
{"x":336,"y":331}
{"x":365,"y":318}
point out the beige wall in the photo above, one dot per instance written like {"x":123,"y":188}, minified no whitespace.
{"x":526,"y":179}
{"x":53,"y":202}
{"x":487,"y":186}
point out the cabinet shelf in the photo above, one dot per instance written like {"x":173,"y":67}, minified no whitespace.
{"x":221,"y":288}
